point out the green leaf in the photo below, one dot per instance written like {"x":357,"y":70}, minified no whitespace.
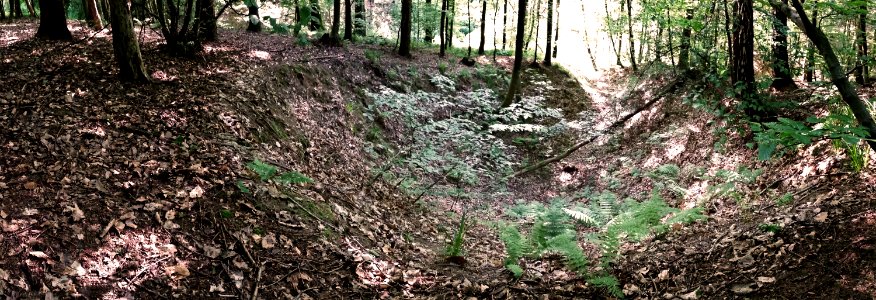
{"x":765,"y":150}
{"x":242,"y":187}
{"x":293,"y":177}
{"x":265,"y":171}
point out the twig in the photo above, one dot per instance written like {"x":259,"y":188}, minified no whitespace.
{"x":255,"y":288}
{"x":669,"y":88}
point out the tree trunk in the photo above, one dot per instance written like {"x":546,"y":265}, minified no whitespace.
{"x":30,"y":9}
{"x":632,"y":40}
{"x":742,"y":73}
{"x":441,"y":28}
{"x":556,"y":30}
{"x":837,"y":73}
{"x":15,"y":8}
{"x":428,"y":29}
{"x":550,"y":32}
{"x":669,"y":39}
{"x":809,"y":73}
{"x":348,"y":20}
{"x":335,"y":35}
{"x":404,"y":48}
{"x":504,"y":23}
{"x":125,"y":46}
{"x":359,"y":23}
{"x":684,"y":49}
{"x":782,"y":78}
{"x":481,"y":49}
{"x":537,"y":26}
{"x":94,"y":20}
{"x":451,"y":16}
{"x":255,"y":23}
{"x":3,"y":10}
{"x":614,"y":46}
{"x":518,"y":54}
{"x":862,"y":69}
{"x":53,"y":21}
{"x":207,"y":13}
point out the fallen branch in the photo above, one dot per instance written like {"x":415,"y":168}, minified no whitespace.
{"x":255,"y":288}
{"x":666,"y":90}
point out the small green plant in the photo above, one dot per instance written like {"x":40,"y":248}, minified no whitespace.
{"x":774,"y":228}
{"x":372,"y":56}
{"x":442,"y":68}
{"x":785,"y":199}
{"x":258,"y":230}
{"x":455,"y":249}
{"x":269,"y":172}
{"x":776,"y":138}
{"x":226,"y":214}
{"x":609,"y":283}
{"x":242,"y":187}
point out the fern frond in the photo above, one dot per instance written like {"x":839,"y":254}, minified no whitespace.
{"x":585,"y":217}
{"x":609,"y":283}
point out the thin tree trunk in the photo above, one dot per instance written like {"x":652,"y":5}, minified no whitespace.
{"x":632,"y":40}
{"x":359,"y":23}
{"x":742,"y":73}
{"x":442,"y":28}
{"x":862,"y":64}
{"x":94,"y":20}
{"x":837,"y":73}
{"x":669,"y":40}
{"x":614,"y":46}
{"x":518,"y":55}
{"x":809,"y":73}
{"x":481,"y":49}
{"x":30,"y":9}
{"x":208,"y":20}
{"x":451,"y":16}
{"x":556,"y":30}
{"x":3,"y":10}
{"x":729,"y":32}
{"x":429,"y":35}
{"x":536,"y":17}
{"x":782,"y":78}
{"x":125,"y":46}
{"x":53,"y":21}
{"x":504,"y":23}
{"x":590,"y":53}
{"x":495,"y":28}
{"x":550,"y":31}
{"x":404,"y":48}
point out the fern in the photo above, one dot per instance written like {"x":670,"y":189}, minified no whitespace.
{"x":293,"y":177}
{"x":265,"y":171}
{"x":517,"y":246}
{"x":567,"y":245}
{"x":609,"y":283}
{"x":585,"y":216}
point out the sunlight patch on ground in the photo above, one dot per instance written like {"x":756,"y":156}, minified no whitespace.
{"x":129,"y":259}
{"x":258,"y":54}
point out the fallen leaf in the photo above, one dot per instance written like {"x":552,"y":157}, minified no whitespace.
{"x":269,"y":241}
{"x":196,"y":192}
{"x":821,"y":217}
{"x":76,"y":213}
{"x":38,"y":254}
{"x":30,"y":185}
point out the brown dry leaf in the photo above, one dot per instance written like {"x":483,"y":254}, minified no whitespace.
{"x":4,"y":275}
{"x":269,"y":241}
{"x":211,"y":252}
{"x":75,"y":212}
{"x":821,"y":217}
{"x":30,"y":212}
{"x":30,"y":185}
{"x":178,"y":271}
{"x":38,"y":254}
{"x":196,"y":192}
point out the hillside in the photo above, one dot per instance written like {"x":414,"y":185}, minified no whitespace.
{"x":261,"y":168}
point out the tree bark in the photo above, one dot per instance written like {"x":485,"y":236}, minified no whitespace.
{"x":556,"y":30}
{"x":335,"y":35}
{"x":93,"y":15}
{"x":441,"y":28}
{"x":742,"y":73}
{"x":428,"y":30}
{"x":255,"y":23}
{"x":614,"y":46}
{"x":15,"y":8}
{"x":838,"y":76}
{"x":2,"y":11}
{"x":550,"y":37}
{"x":125,"y":46}
{"x":809,"y":73}
{"x":30,"y":9}
{"x":504,"y":23}
{"x":632,"y":40}
{"x":782,"y":78}
{"x":862,"y":69}
{"x":316,"y":16}
{"x":451,"y":15}
{"x":481,"y":49}
{"x":359,"y":23}
{"x":518,"y":54}
{"x":404,"y":48}
{"x":348,"y":20}
{"x":207,"y":14}
{"x":53,"y":21}
{"x":684,"y":49}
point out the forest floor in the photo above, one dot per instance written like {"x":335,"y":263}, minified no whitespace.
{"x":109,"y":190}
